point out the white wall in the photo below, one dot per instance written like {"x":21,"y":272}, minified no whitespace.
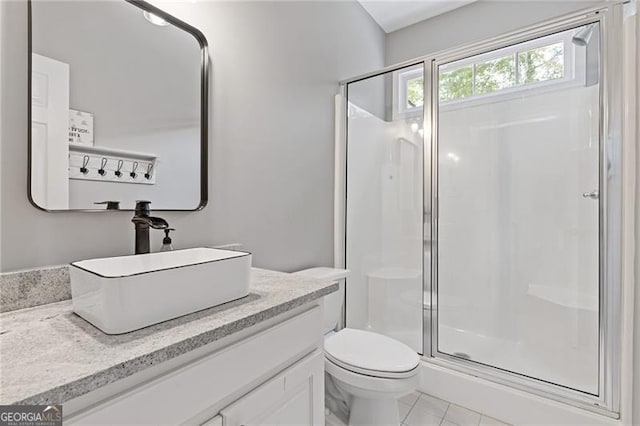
{"x":471,"y":23}
{"x":275,"y":69}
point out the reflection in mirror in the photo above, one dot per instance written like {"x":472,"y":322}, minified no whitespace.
{"x":118,"y":93}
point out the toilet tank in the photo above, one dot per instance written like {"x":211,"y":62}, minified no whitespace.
{"x":332,"y":302}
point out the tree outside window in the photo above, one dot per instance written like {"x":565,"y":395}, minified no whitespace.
{"x":415,"y":93}
{"x":541,"y":64}
{"x":456,"y":84}
{"x":495,"y":75}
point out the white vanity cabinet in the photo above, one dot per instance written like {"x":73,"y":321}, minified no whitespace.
{"x":294,"y":397}
{"x":271,"y":375}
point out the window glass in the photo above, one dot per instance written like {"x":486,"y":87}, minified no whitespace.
{"x":415,"y":93}
{"x":495,"y":75}
{"x":456,"y":84}
{"x":541,"y":64}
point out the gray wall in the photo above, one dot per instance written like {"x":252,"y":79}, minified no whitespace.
{"x":474,"y":22}
{"x":275,"y":69}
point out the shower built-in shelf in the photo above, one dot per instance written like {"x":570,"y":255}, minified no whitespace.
{"x":108,"y":160}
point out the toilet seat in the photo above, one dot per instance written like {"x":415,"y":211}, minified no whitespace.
{"x":391,"y":387}
{"x":370,"y":354}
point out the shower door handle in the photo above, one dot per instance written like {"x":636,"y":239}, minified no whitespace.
{"x":594,"y":195}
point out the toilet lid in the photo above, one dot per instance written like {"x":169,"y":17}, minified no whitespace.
{"x":364,"y":350}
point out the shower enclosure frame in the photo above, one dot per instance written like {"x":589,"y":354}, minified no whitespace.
{"x":609,"y":17}
{"x":607,"y":400}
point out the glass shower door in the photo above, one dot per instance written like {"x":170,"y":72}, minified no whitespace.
{"x":384,"y":231}
{"x":517,"y":184}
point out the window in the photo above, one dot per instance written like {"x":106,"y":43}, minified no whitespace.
{"x":410,"y":95}
{"x":510,"y":68}
{"x":536,"y":64}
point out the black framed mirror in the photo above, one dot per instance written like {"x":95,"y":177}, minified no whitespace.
{"x":118,"y":107}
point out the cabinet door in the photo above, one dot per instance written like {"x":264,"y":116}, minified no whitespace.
{"x":293,"y":397}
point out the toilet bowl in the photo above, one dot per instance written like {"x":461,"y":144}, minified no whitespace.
{"x":373,"y":370}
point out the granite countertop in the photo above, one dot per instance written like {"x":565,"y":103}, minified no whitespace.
{"x":48,"y":354}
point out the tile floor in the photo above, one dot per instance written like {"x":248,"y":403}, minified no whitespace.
{"x":419,"y":409}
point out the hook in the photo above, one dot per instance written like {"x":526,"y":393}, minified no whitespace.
{"x":101,"y":170}
{"x":149,"y":168}
{"x":85,"y":163}
{"x":133,"y":173}
{"x":118,"y":173}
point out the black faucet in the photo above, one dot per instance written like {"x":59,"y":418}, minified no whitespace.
{"x":143,"y":221}
{"x":111,"y":205}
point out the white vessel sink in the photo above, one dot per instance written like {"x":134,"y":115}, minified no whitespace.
{"x":122,"y":294}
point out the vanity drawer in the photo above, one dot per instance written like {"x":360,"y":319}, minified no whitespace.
{"x":184,"y":393}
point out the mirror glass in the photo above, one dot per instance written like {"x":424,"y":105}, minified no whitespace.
{"x":118,"y":96}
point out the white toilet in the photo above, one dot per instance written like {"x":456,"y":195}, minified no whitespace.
{"x":373,"y":370}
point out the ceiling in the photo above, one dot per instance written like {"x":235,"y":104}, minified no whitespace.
{"x":392,"y":15}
